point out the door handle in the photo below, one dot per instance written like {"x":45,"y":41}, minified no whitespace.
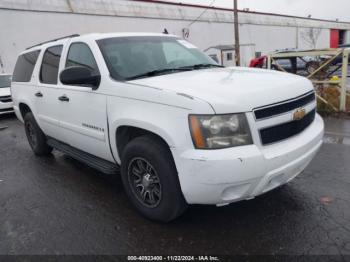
{"x":63,"y":98}
{"x":39,"y":94}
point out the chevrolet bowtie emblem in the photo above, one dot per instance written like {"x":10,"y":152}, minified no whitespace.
{"x":299,"y":113}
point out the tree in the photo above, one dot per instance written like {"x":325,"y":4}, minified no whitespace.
{"x":311,"y":35}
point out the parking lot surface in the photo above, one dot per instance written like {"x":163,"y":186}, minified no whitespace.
{"x":56,"y":205}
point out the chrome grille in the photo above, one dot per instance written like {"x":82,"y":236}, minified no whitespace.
{"x":277,"y":122}
{"x":286,"y":130}
{"x":283,"y":107}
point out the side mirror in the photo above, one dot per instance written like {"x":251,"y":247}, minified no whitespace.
{"x":79,"y":75}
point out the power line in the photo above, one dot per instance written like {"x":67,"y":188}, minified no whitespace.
{"x":205,"y":10}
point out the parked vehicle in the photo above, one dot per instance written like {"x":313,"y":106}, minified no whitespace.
{"x":300,"y":65}
{"x":285,"y":63}
{"x":181,"y":129}
{"x":259,"y":62}
{"x":5,"y":94}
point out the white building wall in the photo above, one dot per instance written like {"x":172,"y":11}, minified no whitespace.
{"x":25,"y":22}
{"x":268,"y":38}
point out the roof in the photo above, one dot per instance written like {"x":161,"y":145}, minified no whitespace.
{"x":53,"y":40}
{"x":160,"y":9}
{"x":222,"y":47}
{"x":227,"y":47}
{"x":137,"y":8}
{"x":96,"y":36}
{"x":239,"y":10}
{"x":128,"y":34}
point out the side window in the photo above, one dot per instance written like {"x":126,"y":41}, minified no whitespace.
{"x":79,"y":54}
{"x":50,"y":64}
{"x":24,"y":66}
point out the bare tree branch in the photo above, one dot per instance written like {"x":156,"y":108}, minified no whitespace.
{"x":311,"y":35}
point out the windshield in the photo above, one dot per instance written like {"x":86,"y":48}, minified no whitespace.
{"x":135,"y":57}
{"x":5,"y":81}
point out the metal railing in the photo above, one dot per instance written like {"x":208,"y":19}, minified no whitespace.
{"x":326,"y":62}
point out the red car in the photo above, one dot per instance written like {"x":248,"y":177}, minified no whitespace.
{"x":258,"y":62}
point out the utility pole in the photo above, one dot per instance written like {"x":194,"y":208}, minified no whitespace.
{"x":297,"y":38}
{"x":237,"y":53}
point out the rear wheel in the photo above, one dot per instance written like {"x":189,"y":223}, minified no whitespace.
{"x":35,"y":136}
{"x":150,"y":179}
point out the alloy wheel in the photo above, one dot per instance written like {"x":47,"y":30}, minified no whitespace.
{"x":144,"y":182}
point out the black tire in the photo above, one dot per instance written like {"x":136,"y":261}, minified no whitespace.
{"x":35,"y":136}
{"x":169,"y":202}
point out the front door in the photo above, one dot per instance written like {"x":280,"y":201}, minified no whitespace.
{"x":83,"y":116}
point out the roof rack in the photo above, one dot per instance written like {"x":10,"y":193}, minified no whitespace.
{"x":53,"y":40}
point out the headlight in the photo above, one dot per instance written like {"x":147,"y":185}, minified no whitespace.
{"x":219,"y":131}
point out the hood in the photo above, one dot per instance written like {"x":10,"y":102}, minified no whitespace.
{"x":231,"y":90}
{"x":5,"y":91}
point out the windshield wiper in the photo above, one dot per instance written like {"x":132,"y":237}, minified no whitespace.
{"x":158,"y":72}
{"x":200,"y":66}
{"x":172,"y":70}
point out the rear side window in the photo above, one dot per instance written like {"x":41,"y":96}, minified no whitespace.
{"x":79,"y":54}
{"x":50,"y":64}
{"x":25,"y":66}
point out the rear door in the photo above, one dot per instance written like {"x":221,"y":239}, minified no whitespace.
{"x":46,"y":93}
{"x":83,"y":116}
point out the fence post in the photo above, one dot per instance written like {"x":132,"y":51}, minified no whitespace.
{"x":344,"y":78}
{"x":269,"y":62}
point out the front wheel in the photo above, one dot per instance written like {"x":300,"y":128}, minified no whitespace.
{"x":150,"y":179}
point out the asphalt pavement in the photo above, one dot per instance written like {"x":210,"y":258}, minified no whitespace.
{"x":56,"y":205}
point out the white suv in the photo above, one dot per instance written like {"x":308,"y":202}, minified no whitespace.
{"x":182,"y":129}
{"x":5,"y":94}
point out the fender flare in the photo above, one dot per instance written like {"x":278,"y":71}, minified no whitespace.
{"x":113,"y":127}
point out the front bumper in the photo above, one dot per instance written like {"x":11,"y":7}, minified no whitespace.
{"x":6,"y":108}
{"x":229,"y":175}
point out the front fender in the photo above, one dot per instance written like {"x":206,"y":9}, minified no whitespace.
{"x":161,"y":118}
{"x":138,"y":124}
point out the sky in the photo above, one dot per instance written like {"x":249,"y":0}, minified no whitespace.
{"x":323,"y":9}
